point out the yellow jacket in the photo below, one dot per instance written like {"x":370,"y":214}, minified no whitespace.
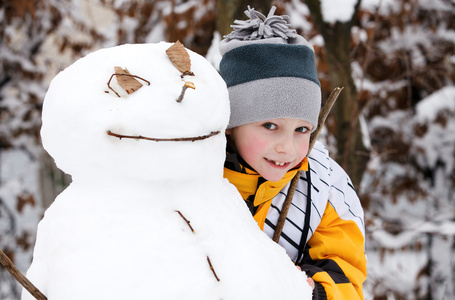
{"x":333,"y":252}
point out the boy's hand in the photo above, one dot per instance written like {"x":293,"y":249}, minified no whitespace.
{"x":309,"y":280}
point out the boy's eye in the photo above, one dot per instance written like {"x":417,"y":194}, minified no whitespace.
{"x":269,"y":126}
{"x":302,"y":129}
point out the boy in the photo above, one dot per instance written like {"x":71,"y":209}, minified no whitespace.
{"x":275,"y":99}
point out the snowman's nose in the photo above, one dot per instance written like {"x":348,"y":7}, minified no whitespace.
{"x":185,"y":86}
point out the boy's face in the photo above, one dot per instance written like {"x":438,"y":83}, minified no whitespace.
{"x":272,"y":147}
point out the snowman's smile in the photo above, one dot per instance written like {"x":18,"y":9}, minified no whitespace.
{"x":183,"y":139}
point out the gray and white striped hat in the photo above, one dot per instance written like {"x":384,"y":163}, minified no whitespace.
{"x":270,"y":71}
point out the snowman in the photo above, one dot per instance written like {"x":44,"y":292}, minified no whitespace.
{"x":148,"y":215}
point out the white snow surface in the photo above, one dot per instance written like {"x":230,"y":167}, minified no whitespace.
{"x":337,"y":10}
{"x":428,"y":108}
{"x":115,"y":232}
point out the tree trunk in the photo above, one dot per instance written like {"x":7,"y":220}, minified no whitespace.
{"x":352,"y":154}
{"x":230,"y":10}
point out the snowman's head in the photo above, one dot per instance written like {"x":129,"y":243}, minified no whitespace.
{"x":93,"y":127}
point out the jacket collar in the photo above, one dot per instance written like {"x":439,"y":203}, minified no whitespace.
{"x":249,"y":182}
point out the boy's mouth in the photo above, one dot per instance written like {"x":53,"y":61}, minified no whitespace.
{"x":277,"y":163}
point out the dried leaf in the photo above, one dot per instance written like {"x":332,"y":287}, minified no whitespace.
{"x":179,"y":57}
{"x":128,"y":83}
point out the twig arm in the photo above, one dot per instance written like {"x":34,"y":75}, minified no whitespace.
{"x":8,"y":265}
{"x":323,"y":116}
{"x":314,"y":136}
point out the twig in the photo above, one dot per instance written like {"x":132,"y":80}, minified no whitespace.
{"x":185,"y":86}
{"x":314,"y":136}
{"x":187,"y":139}
{"x":189,"y":73}
{"x":8,"y":265}
{"x":324,"y":114}
{"x":213,"y":270}
{"x":121,"y":74}
{"x":186,"y":220}
{"x":192,"y":230}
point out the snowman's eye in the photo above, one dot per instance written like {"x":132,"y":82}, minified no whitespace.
{"x":126,"y":80}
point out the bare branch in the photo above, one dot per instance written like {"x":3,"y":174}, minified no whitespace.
{"x":139,"y":137}
{"x":11,"y":268}
{"x":213,"y":270}
{"x":314,"y":136}
{"x":186,"y":220}
{"x":185,"y":86}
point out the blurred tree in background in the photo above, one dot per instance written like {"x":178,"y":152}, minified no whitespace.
{"x":392,"y":128}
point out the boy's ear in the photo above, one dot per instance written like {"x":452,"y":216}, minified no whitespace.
{"x":228,"y":131}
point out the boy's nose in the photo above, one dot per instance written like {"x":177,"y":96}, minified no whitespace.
{"x":285,"y":145}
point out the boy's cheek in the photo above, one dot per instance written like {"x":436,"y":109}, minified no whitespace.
{"x":255,"y":146}
{"x":252,"y":150}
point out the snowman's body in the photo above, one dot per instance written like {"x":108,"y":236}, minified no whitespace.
{"x":147,"y":219}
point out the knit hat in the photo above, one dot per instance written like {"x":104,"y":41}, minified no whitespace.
{"x":270,"y":71}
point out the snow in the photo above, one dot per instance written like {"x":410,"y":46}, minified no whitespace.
{"x":417,"y":227}
{"x":409,"y":262}
{"x":443,"y":99}
{"x":337,"y":11}
{"x":25,"y":171}
{"x":439,"y":104}
{"x":147,"y":219}
{"x":437,"y":5}
{"x":383,"y":6}
{"x":97,"y":16}
{"x":213,"y":54}
{"x":298,"y":12}
{"x":399,"y":272}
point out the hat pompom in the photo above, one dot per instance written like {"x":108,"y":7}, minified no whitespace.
{"x":258,"y":26}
